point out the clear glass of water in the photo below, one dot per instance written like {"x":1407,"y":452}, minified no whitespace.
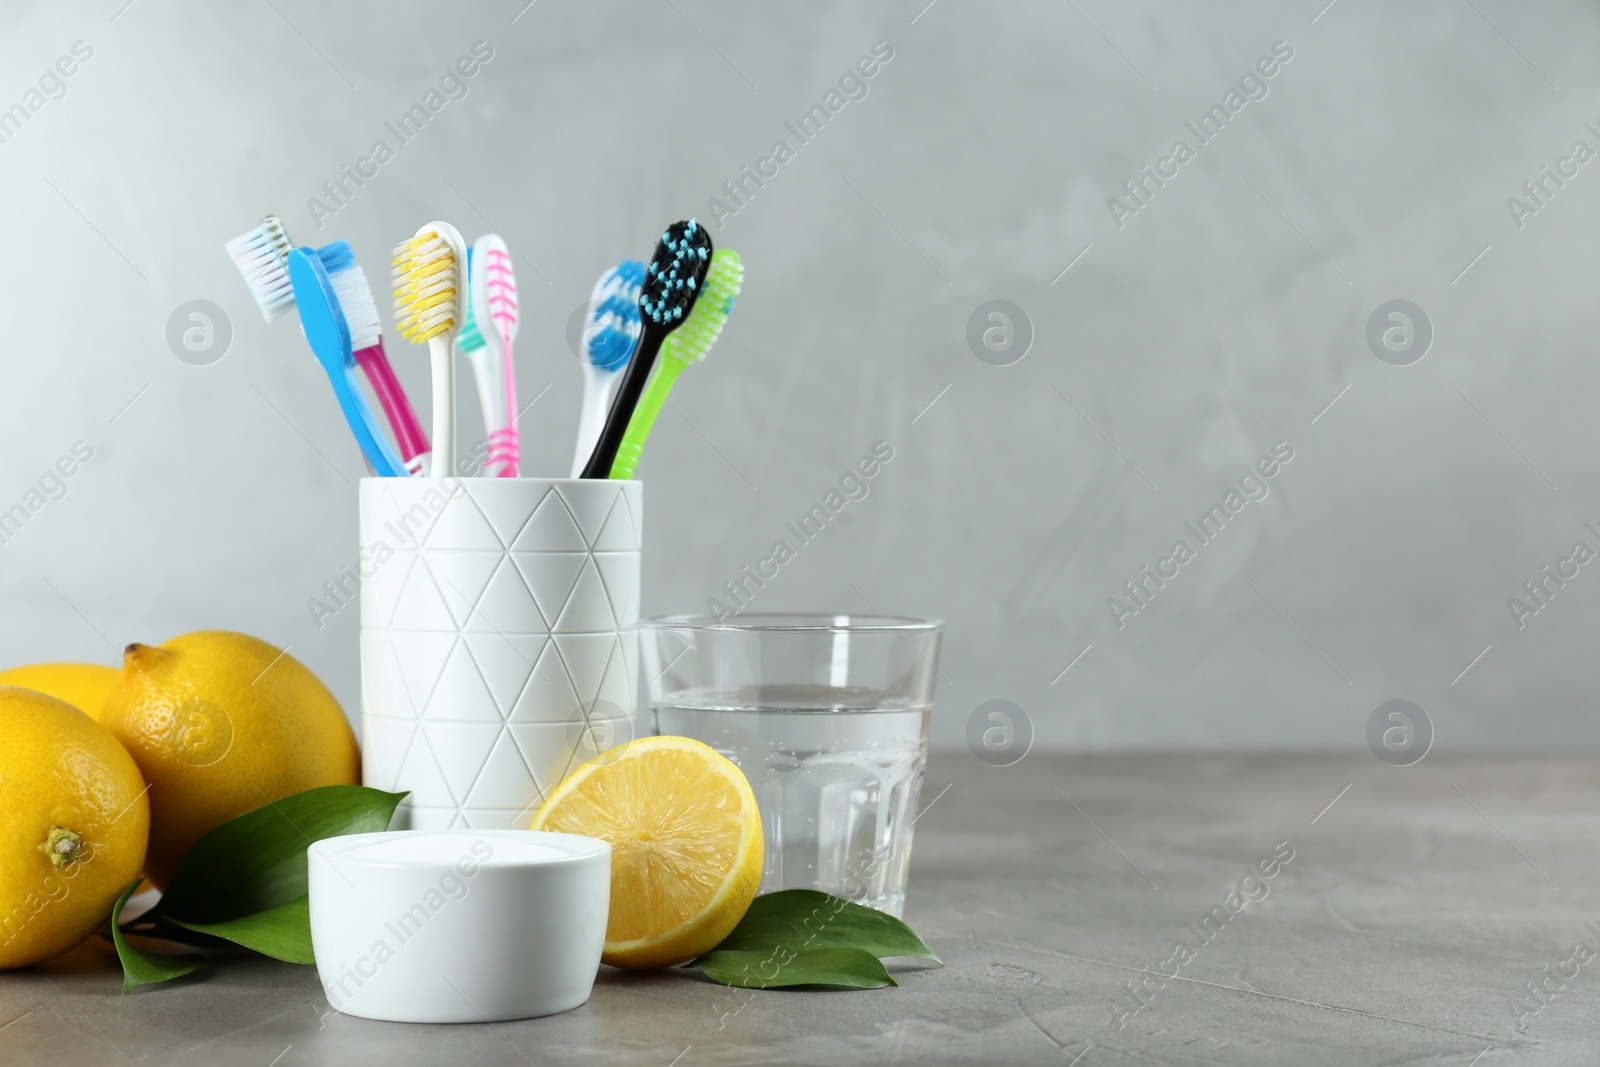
{"x":827,"y":715}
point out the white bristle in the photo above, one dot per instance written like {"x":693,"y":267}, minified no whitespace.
{"x":262,"y":258}
{"x":359,"y":305}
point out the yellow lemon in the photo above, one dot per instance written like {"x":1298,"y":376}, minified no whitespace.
{"x":72,"y":825}
{"x":220,"y":724}
{"x":83,"y":685}
{"x":686,"y":845}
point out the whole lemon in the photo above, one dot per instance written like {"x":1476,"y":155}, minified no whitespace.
{"x":83,"y":685}
{"x":220,"y":724}
{"x":73,"y":824}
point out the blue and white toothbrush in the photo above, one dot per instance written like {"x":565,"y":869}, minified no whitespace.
{"x":329,"y":336}
{"x":609,"y":335}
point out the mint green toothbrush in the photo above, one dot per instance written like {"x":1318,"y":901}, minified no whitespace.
{"x":687,"y":344}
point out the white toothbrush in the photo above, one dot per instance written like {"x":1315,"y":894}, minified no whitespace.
{"x":609,"y":335}
{"x":430,"y":305}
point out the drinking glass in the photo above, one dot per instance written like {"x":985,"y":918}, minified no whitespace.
{"x":827,"y":716}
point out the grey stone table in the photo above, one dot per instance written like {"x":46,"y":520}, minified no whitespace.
{"x":1419,"y":909}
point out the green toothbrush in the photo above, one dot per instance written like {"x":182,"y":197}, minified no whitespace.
{"x":687,"y":344}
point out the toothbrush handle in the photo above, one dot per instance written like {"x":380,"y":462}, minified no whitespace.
{"x":408,"y":432}
{"x":480,"y":360}
{"x":323,"y":323}
{"x":498,"y":414}
{"x":596,"y":399}
{"x":512,"y":453}
{"x":442,"y":356}
{"x":624,"y":403}
{"x":644,"y":417}
{"x":374,"y":445}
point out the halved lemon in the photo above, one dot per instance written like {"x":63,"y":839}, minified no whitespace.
{"x":686,"y":845}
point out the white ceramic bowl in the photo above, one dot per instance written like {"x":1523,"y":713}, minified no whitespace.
{"x":458,"y":925}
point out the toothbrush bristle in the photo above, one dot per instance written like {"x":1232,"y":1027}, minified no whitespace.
{"x":262,"y":259}
{"x":337,"y":255}
{"x":360,"y":307}
{"x":672,"y":281}
{"x":471,"y":338}
{"x":630,"y":271}
{"x":613,"y":326}
{"x":694,"y":338}
{"x":426,"y":280}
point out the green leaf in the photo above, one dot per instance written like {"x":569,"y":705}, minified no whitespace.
{"x":140,"y":967}
{"x":853,"y":968}
{"x":257,"y":861}
{"x":284,"y":932}
{"x":167,"y":930}
{"x":804,"y":920}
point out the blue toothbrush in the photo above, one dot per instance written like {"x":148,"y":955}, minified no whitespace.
{"x":329,"y":336}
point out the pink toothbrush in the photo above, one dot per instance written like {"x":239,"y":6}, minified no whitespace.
{"x":486,"y":340}
{"x":500,"y":284}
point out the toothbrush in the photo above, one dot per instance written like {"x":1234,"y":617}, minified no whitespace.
{"x":486,"y":340}
{"x":366,"y":337}
{"x":430,"y":305}
{"x":328,"y":333}
{"x":261,"y":255}
{"x":609,"y":334}
{"x":500,"y":294}
{"x":671,"y":286}
{"x":688,"y":345}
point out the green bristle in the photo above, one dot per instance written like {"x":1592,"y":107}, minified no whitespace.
{"x":692,"y":340}
{"x":470,"y":339}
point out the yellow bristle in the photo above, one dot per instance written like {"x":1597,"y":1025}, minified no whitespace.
{"x":425,"y":292}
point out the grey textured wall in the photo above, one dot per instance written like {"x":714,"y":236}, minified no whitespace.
{"x":1196,"y":328}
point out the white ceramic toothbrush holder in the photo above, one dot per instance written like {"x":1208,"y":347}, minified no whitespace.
{"x":458,"y":926}
{"x":498,"y":641}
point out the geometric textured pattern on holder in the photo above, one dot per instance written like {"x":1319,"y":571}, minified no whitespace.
{"x":497,"y":591}
{"x":440,"y":765}
{"x":527,"y":678}
{"x":498,"y":624}
{"x":492,"y":513}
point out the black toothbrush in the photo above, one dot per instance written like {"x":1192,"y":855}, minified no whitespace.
{"x":672,"y":284}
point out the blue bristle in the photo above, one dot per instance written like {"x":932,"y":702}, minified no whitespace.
{"x":673,"y":276}
{"x":614,"y":325}
{"x":336,"y":256}
{"x":610,"y":348}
